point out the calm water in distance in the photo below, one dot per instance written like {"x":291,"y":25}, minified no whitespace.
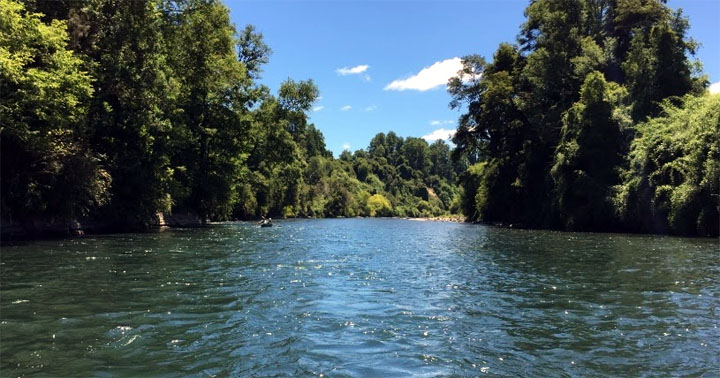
{"x":360,"y":297}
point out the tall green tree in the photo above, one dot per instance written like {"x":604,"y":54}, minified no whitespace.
{"x":416,"y":153}
{"x":494,"y":134}
{"x":656,"y":66}
{"x":213,"y":118}
{"x":588,"y":157}
{"x":279,"y":141}
{"x":441,"y":164}
{"x":129,"y":112}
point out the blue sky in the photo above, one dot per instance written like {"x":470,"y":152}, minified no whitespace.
{"x":360,"y":54}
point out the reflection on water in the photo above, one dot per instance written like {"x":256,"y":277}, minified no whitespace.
{"x":360,"y":297}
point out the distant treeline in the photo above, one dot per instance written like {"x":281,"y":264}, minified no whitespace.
{"x":122,"y":109}
{"x":595,"y":120}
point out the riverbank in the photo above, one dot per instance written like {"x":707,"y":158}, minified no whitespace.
{"x":42,"y":228}
{"x":37,"y":228}
{"x":443,"y":218}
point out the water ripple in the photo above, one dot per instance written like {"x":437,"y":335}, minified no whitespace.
{"x":361,"y":297}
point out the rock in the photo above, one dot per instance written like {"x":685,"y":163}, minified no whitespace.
{"x":180,"y":219}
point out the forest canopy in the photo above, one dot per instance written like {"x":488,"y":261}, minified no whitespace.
{"x":597,"y":118}
{"x":116,"y":109}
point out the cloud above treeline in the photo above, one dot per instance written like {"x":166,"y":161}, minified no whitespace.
{"x":318,"y":108}
{"x":441,"y":134}
{"x":428,"y":78}
{"x":436,"y":122}
{"x":346,"y":108}
{"x":714,"y":88}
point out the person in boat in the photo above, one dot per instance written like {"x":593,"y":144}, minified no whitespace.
{"x":265,"y":222}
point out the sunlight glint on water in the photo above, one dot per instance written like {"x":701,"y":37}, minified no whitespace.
{"x":360,"y":297}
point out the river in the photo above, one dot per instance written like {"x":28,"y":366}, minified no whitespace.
{"x":360,"y":297}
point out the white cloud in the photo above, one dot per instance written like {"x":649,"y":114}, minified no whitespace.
{"x":429,"y":77}
{"x":370,"y":108}
{"x":441,"y":122}
{"x":714,"y":88}
{"x":439,"y":134}
{"x":346,"y":108}
{"x":318,"y":108}
{"x":346,"y":146}
{"x":353,"y":70}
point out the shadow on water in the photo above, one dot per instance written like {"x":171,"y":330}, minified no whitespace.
{"x":360,"y":297}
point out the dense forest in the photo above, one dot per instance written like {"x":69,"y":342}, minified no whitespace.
{"x":595,"y":120}
{"x":126,"y":109}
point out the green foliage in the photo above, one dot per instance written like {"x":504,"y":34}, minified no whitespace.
{"x":211,"y":116}
{"x":129,"y":108}
{"x":673,"y":180}
{"x":471,"y":182}
{"x":131,"y":135}
{"x":582,"y":180}
{"x":168,"y":117}
{"x":494,"y":132}
{"x":47,"y":168}
{"x":548,"y":121}
{"x":379,"y":206}
{"x":253,"y":51}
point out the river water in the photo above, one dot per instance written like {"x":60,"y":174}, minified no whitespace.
{"x":360,"y":297}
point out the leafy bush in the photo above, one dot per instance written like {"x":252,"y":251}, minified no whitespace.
{"x":379,"y":206}
{"x":673,"y":180}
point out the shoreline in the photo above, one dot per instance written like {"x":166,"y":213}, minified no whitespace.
{"x":40,"y":229}
{"x":36,"y":229}
{"x":446,"y":218}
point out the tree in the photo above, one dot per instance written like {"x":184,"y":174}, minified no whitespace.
{"x":441,"y":161}
{"x":656,"y":68}
{"x":494,"y":131}
{"x":415,"y":151}
{"x":588,"y":157}
{"x":129,"y":64}
{"x":47,"y":166}
{"x":253,"y":52}
{"x":314,"y":142}
{"x":213,"y":121}
{"x":296,"y":98}
{"x":377,"y":146}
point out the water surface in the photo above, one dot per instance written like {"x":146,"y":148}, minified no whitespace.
{"x":360,"y":297}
